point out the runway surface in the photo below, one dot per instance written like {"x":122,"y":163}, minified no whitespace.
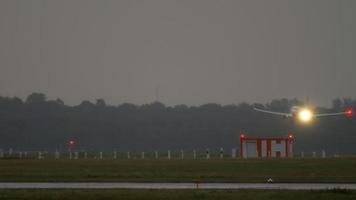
{"x":108,"y":185}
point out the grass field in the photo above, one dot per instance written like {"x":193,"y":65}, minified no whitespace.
{"x":176,"y":194}
{"x":341,"y":170}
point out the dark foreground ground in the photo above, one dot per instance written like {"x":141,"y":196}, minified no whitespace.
{"x":176,"y":194}
{"x":329,"y":170}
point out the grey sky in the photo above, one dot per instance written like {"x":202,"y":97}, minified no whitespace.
{"x":192,"y":52}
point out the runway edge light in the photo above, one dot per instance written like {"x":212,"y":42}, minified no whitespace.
{"x":290,"y":136}
{"x":71,"y":142}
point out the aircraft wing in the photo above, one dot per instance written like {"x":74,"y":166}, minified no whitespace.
{"x":273,"y":113}
{"x":330,"y":114}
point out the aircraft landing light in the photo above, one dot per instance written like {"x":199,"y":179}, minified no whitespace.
{"x":305,"y":115}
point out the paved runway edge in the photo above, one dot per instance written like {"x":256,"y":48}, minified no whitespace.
{"x":109,"y":185}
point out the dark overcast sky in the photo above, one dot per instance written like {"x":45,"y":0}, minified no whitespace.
{"x":190,"y":51}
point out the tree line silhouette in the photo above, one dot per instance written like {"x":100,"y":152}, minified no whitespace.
{"x":40,"y":124}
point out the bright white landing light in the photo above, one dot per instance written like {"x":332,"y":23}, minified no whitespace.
{"x":305,"y":115}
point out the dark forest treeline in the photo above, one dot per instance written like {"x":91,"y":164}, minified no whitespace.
{"x":41,"y":124}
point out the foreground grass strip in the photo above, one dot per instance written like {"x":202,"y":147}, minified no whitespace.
{"x":337,"y":170}
{"x":176,"y":194}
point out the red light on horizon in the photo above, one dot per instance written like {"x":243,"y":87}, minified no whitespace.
{"x":290,"y":136}
{"x":71,"y":142}
{"x":242,"y":135}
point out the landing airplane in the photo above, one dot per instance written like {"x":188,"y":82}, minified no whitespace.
{"x":305,"y":114}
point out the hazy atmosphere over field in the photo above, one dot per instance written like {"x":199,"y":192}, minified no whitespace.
{"x":178,"y":52}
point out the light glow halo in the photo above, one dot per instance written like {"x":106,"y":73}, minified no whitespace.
{"x":305,"y":115}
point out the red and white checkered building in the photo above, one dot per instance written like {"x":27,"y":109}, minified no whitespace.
{"x":266,"y":147}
